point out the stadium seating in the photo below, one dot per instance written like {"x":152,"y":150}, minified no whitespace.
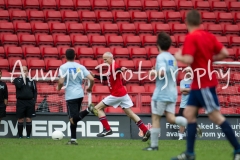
{"x":38,"y":32}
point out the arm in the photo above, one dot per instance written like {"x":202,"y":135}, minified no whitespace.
{"x":6,"y":95}
{"x":60,"y":83}
{"x":18,"y":82}
{"x":35,"y":91}
{"x":91,"y":79}
{"x":185,"y":91}
{"x":222,"y":55}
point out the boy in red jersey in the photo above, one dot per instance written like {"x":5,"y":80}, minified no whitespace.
{"x":200,"y":50}
{"x":118,"y":97}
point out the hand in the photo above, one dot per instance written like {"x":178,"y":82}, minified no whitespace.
{"x":57,"y":88}
{"x":178,"y":55}
{"x":123,"y":69}
{"x":92,"y":73}
{"x":89,"y":90}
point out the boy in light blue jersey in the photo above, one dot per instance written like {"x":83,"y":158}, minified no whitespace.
{"x":165,"y":94}
{"x":71,"y":75}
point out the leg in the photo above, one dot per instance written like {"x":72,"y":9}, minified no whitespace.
{"x":181,"y":128}
{"x":20,"y":112}
{"x":81,"y":115}
{"x":139,"y":123}
{"x":29,"y":115}
{"x":28,"y":126}
{"x":216,"y":117}
{"x":20,"y":127}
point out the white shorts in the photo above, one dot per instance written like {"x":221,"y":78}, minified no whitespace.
{"x":124,"y":101}
{"x":159,"y":107}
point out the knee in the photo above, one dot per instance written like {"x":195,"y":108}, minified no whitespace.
{"x":21,"y":120}
{"x":28,"y":120}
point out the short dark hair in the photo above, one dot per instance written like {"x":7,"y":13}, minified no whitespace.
{"x":70,"y":54}
{"x":193,"y":18}
{"x":164,"y":41}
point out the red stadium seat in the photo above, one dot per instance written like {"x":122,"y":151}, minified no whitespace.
{"x":93,"y":28}
{"x":53,"y":16}
{"x":104,"y":16}
{"x":237,"y":18}
{"x":234,"y":6}
{"x":117,"y":5}
{"x":127,"y":29}
{"x":23,"y":28}
{"x":180,"y":40}
{"x":84,"y":52}
{"x":134,"y":5}
{"x":173,"y":17}
{"x":53,"y":64}
{"x":97,"y":41}
{"x":71,"y":16}
{"x":215,"y":29}
{"x":62,"y":40}
{"x":219,"y":6}
{"x":168,"y":5}
{"x":114,"y":41}
{"x":2,"y":4}
{"x":44,"y":40}
{"x":31,"y":4}
{"x":185,"y":5}
{"x":225,"y":18}
{"x":58,"y":28}
{"x":156,"y":17}
{"x":62,"y":51}
{"x":32,"y":52}
{"x":36,"y":64}
{"x":120,"y":16}
{"x":120,"y":52}
{"x":234,"y":41}
{"x":90,"y":64}
{"x":49,"y":52}
{"x":83,"y":5}
{"x":87,"y":16}
{"x":35,"y":15}
{"x":173,"y":50}
{"x":2,"y":53}
{"x":48,"y":5}
{"x":223,"y":40}
{"x":162,"y":27}
{"x":99,"y":51}
{"x":6,"y":27}
{"x":9,"y":39}
{"x":40,"y":28}
{"x":75,"y":28}
{"x":79,"y":40}
{"x":138,"y":53}
{"x":150,"y":5}
{"x":4,"y":15}
{"x":179,"y":29}
{"x":110,"y":29}
{"x":137,"y":89}
{"x":208,"y":17}
{"x":66,"y":5}
{"x":228,"y":110}
{"x":100,"y":5}
{"x":202,"y":5}
{"x":27,"y":40}
{"x":149,"y":41}
{"x":131,"y":79}
{"x":14,"y":4}
{"x":12,"y":62}
{"x":18,"y":15}
{"x":127,"y":63}
{"x":132,"y":41}
{"x":144,"y":29}
{"x":231,"y":29}
{"x":139,"y":16}
{"x":152,"y":52}
{"x":4,"y":65}
{"x":14,"y":52}
{"x":146,"y":65}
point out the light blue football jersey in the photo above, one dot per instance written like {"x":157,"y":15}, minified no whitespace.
{"x":166,"y":87}
{"x":74,"y":73}
{"x":184,"y":99}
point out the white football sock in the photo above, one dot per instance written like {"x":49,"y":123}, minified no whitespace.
{"x":181,"y":121}
{"x":154,"y":136}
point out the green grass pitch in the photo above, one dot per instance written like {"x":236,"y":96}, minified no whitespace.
{"x":107,"y":149}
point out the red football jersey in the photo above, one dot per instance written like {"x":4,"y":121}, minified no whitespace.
{"x":202,"y":46}
{"x":115,"y":82}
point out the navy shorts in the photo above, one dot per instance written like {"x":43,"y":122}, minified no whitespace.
{"x":205,"y":97}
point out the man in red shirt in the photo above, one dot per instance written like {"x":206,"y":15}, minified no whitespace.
{"x":200,"y":49}
{"x":118,"y":97}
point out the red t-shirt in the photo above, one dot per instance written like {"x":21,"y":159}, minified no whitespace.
{"x":202,"y":46}
{"x":115,"y":82}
